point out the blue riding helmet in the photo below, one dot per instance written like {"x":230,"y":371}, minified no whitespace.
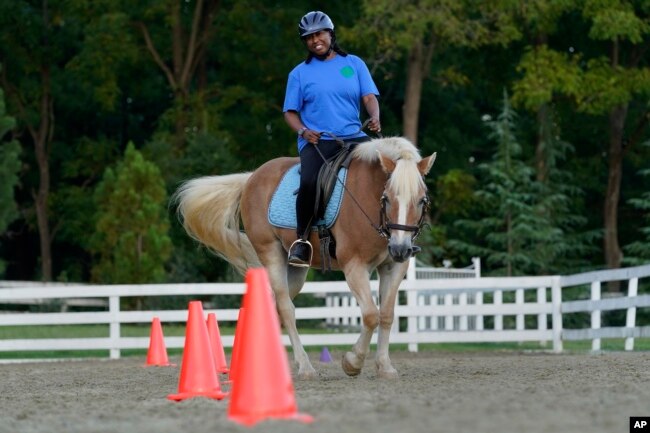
{"x":313,"y":22}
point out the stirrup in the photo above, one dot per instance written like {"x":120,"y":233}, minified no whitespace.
{"x":300,"y":264}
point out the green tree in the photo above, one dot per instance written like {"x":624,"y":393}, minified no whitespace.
{"x":418,"y":31}
{"x":452,"y":198}
{"x":607,"y":78}
{"x":610,"y":84}
{"x":36,"y":43}
{"x":175,"y":36}
{"x":638,"y":252}
{"x":9,"y":169}
{"x":511,"y":233}
{"x":130,"y":238}
{"x":559,"y":201}
{"x":539,"y":20}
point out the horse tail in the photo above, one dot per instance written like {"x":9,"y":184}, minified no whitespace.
{"x":209,"y":209}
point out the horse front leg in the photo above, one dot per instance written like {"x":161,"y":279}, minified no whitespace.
{"x":358,"y":279}
{"x":390,"y":276}
{"x":287,"y":312}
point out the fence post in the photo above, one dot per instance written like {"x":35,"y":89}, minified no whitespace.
{"x":433,"y":320}
{"x":595,"y":315}
{"x":463,"y":322}
{"x":476,"y":261}
{"x":345,"y":302}
{"x":630,"y":321}
{"x":411,"y":301}
{"x":519,"y":301}
{"x":329,"y":303}
{"x":449,"y":318}
{"x":498,"y":318}
{"x":541,"y":318}
{"x":114,"y":326}
{"x":478,"y":300}
{"x":556,"y":300}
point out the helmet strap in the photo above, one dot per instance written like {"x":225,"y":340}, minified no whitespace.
{"x":323,"y":56}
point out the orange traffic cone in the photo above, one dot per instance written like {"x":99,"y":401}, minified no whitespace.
{"x":198,"y":374}
{"x":236,"y":347}
{"x":157,"y":353}
{"x":218,"y":353}
{"x":263,"y":387}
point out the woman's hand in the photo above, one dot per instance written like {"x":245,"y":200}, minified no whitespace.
{"x":311,"y":136}
{"x":372,"y":108}
{"x":374,"y":124}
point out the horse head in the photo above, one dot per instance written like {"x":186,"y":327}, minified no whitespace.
{"x":404,"y":202}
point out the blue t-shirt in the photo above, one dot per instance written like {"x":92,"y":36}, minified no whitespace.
{"x":327,"y":95}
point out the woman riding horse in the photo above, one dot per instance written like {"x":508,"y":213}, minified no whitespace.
{"x":381,"y":213}
{"x":324,"y":95}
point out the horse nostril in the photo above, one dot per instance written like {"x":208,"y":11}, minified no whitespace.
{"x":400,"y":253}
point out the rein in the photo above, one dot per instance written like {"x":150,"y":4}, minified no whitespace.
{"x":385,"y":226}
{"x":378,"y":229}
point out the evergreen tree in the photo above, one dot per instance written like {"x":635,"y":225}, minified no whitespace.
{"x":558,"y":200}
{"x":9,"y":168}
{"x":638,"y":252}
{"x":131,"y":237}
{"x":511,"y":226}
{"x":526,"y":225}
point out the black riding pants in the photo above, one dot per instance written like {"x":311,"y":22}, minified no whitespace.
{"x":310,"y":164}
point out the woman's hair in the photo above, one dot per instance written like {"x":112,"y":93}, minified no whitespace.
{"x":334,"y":47}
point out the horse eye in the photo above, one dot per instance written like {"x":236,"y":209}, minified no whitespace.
{"x":424,"y":201}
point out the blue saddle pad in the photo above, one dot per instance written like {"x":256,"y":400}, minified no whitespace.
{"x":282,"y":210}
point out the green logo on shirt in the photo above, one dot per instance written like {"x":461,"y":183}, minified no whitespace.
{"x":347,"y":71}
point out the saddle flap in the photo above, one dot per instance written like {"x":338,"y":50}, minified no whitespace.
{"x":327,"y":177}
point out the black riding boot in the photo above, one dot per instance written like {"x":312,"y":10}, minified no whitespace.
{"x":300,"y":253}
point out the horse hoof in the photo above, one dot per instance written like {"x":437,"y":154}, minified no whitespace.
{"x":348,"y":367}
{"x":307,"y":373}
{"x":388,"y":374}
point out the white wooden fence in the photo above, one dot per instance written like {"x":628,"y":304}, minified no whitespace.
{"x":505,"y":305}
{"x":416,"y":271}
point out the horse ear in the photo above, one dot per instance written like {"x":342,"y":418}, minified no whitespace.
{"x":425,"y":165}
{"x":386,"y":163}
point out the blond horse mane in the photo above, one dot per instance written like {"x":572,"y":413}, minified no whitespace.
{"x":406,"y":180}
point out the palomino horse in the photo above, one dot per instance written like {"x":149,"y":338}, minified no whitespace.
{"x":382,"y":211}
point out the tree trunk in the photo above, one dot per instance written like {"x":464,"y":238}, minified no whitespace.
{"x":413,"y":92}
{"x":189,"y":50}
{"x":541,"y":151}
{"x":41,"y":198}
{"x":613,"y":254}
{"x":617,"y":116}
{"x":42,"y":138}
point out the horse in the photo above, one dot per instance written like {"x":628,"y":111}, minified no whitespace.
{"x":382,"y":211}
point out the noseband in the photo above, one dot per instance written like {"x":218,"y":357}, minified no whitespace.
{"x":385,"y":226}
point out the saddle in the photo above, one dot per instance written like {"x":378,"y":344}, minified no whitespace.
{"x":329,"y":194}
{"x":327,"y":179}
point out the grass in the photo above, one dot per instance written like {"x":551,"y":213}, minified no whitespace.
{"x":175,"y":330}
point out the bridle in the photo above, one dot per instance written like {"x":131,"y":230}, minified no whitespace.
{"x":385,"y":226}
